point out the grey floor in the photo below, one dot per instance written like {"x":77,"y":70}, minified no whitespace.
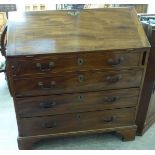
{"x":8,"y":133}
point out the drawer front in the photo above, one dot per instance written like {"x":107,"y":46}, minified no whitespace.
{"x":79,"y":102}
{"x":62,"y":63}
{"x":76,"y":122}
{"x":78,"y":82}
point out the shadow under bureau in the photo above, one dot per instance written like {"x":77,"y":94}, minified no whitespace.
{"x":76,"y":72}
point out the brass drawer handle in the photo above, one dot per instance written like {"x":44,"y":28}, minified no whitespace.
{"x":114,"y":79}
{"x":41,"y":85}
{"x":80,"y":61}
{"x":49,"y":125}
{"x":40,"y":67}
{"x":111,"y":99}
{"x":110,"y":119}
{"x":47,"y":105}
{"x":115,"y":62}
{"x":81,"y":78}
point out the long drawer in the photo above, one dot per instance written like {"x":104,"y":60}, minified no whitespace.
{"x":78,"y":102}
{"x":64,"y":62}
{"x":78,"y":82}
{"x":76,"y":122}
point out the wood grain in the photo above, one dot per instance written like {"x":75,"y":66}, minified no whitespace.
{"x":27,"y":143}
{"x":77,"y":122}
{"x":78,"y":82}
{"x":59,"y":32}
{"x":72,"y":75}
{"x":78,"y":102}
{"x":27,"y":66}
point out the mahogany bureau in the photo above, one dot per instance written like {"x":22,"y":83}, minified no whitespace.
{"x":75,"y":72}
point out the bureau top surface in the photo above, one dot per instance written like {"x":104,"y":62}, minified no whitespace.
{"x":66,"y":31}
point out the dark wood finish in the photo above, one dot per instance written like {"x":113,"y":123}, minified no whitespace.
{"x":78,"y":102}
{"x":27,"y":143}
{"x":146,"y":111}
{"x":71,"y":75}
{"x":127,"y":134}
{"x":77,"y":122}
{"x":38,"y":33}
{"x":80,"y":82}
{"x":153,"y":37}
{"x":69,"y":62}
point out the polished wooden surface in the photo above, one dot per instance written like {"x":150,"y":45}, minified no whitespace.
{"x":78,"y":102}
{"x":78,"y":82}
{"x":77,"y":122}
{"x":127,"y":133}
{"x":33,"y":33}
{"x":76,"y":70}
{"x":41,"y":65}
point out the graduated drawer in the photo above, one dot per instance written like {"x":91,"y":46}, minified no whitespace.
{"x":76,"y":122}
{"x":71,"y":62}
{"x":78,"y":102}
{"x":78,"y":82}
